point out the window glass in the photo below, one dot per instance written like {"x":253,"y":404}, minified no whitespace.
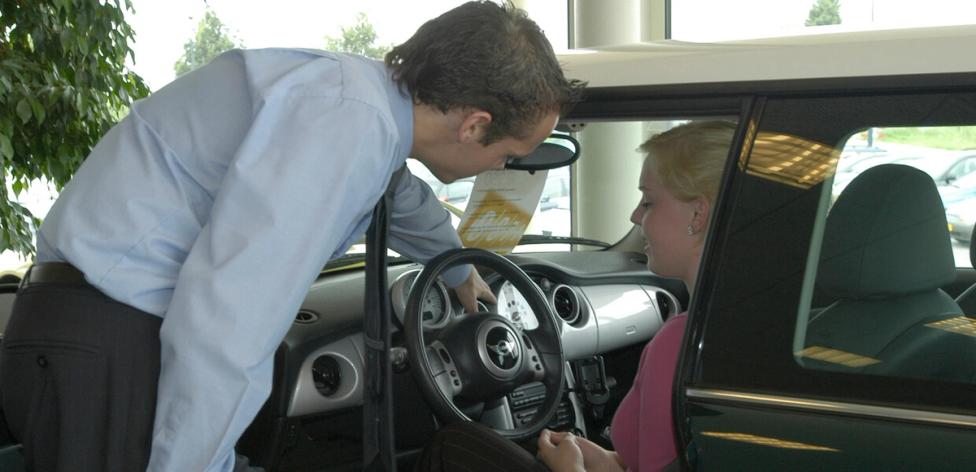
{"x":551,"y":218}
{"x":946,"y":154}
{"x":720,"y":20}
{"x":166,"y":31}
{"x":807,"y":291}
{"x":177,"y":35}
{"x":898,"y":221}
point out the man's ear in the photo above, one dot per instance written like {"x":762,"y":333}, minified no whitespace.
{"x":702,"y":213}
{"x":474,"y":124}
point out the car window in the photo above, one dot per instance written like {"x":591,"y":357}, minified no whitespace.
{"x":961,"y":169}
{"x":944,"y":160}
{"x":878,"y":304}
{"x":551,"y":218}
{"x":808,"y":292}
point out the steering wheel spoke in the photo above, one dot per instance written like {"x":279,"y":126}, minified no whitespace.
{"x":444,"y":369}
{"x":535,"y":365}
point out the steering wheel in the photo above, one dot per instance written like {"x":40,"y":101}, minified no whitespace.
{"x":481,"y":357}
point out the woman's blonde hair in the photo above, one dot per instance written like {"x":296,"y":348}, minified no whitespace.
{"x":689,"y":159}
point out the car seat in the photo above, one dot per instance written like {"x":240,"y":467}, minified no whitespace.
{"x":967,"y":299}
{"x":886,"y":253}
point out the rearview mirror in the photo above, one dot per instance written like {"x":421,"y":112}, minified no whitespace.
{"x":557,"y":150}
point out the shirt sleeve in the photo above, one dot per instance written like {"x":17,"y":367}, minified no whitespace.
{"x":420,"y":228}
{"x":301,"y":180}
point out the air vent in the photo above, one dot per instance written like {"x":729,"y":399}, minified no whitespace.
{"x":326,"y":375}
{"x":566,"y":304}
{"x":666,"y":304}
{"x":306,"y":317}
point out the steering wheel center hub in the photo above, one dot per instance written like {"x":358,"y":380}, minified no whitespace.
{"x":500,"y":349}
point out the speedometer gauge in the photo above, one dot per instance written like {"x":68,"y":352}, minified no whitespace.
{"x":436,"y":309}
{"x":512,"y":305}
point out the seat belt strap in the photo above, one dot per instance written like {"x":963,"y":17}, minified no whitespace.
{"x":378,"y":436}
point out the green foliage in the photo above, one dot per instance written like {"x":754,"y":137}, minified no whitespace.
{"x":359,"y":39}
{"x":955,"y":138}
{"x":824,"y":12}
{"x":211,"y":39}
{"x":63,"y":84}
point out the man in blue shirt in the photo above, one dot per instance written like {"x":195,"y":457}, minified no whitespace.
{"x":172,"y":265}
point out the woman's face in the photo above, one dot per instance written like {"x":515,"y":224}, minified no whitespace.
{"x":664,"y":220}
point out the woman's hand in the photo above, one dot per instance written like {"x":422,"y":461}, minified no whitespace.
{"x":560,"y":452}
{"x":593,"y":457}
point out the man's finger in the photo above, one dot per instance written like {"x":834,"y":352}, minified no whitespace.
{"x":489,"y":297}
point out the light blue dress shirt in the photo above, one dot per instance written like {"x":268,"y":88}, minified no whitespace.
{"x":216,"y":202}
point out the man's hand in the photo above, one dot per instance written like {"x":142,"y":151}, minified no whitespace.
{"x":472,"y":290}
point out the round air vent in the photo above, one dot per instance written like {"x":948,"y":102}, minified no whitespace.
{"x":566,"y":304}
{"x":326,"y":375}
{"x":306,"y":317}
{"x":666,"y":304}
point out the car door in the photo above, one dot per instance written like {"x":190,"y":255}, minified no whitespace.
{"x":747,"y":395}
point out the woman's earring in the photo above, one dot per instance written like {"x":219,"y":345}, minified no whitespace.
{"x":691,"y":231}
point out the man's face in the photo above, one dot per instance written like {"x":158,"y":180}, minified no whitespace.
{"x":469,"y":157}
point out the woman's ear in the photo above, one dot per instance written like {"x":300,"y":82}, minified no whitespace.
{"x":474,"y":124}
{"x":702,"y":212}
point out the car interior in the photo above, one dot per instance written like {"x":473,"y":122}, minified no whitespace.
{"x":605,"y":305}
{"x":883,"y":314}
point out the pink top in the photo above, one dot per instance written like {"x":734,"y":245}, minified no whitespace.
{"x":642,"y":429}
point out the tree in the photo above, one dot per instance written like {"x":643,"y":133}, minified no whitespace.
{"x":211,"y":39}
{"x":63,"y":84}
{"x":824,"y":12}
{"x":359,"y":39}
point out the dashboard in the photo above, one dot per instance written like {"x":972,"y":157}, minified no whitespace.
{"x":605,"y":301}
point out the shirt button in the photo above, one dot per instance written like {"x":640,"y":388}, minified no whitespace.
{"x":42,"y":361}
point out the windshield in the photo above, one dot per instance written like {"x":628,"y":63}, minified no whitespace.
{"x":550,"y":221}
{"x":552,"y":212}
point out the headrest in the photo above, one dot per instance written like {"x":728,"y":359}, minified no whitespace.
{"x":886,"y":235}
{"x":972,"y":248}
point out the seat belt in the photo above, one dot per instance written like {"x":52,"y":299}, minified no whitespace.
{"x":378,"y":438}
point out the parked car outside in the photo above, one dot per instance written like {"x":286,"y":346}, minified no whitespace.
{"x":959,"y":190}
{"x":945,"y":167}
{"x":961,"y":218}
{"x":555,"y":194}
{"x":948,"y":168}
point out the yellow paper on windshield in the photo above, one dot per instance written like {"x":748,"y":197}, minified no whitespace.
{"x":501,"y":205}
